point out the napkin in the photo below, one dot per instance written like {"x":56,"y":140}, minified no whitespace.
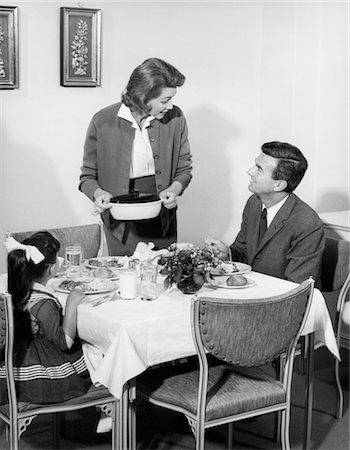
{"x":145,"y":252}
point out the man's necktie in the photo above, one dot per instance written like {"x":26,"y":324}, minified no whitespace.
{"x":262,"y":224}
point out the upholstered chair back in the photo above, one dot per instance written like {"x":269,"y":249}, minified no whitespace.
{"x":251,"y":332}
{"x":89,"y":237}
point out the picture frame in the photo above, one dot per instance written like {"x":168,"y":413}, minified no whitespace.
{"x":80,"y":47}
{"x":9,"y":47}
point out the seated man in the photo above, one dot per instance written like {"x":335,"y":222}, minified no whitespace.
{"x":293,"y":243}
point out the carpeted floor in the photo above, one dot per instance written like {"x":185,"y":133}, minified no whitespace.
{"x":161,"y":430}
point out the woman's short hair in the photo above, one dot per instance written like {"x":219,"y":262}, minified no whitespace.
{"x":291,"y":166}
{"x":147,"y":81}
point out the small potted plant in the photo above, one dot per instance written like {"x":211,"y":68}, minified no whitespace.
{"x":188,"y":267}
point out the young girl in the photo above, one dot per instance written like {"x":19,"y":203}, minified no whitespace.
{"x":48,"y":359}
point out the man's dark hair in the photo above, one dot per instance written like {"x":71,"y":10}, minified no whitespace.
{"x":291,"y":165}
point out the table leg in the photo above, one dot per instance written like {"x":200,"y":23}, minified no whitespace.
{"x":124,"y":417}
{"x":116,"y":444}
{"x":132,"y":415}
{"x":309,"y":389}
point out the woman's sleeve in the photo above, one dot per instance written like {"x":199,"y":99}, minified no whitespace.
{"x":183,"y":172}
{"x":88,"y":177}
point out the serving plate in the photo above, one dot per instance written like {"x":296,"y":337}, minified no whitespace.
{"x":89,"y":285}
{"x":221,"y":283}
{"x":231,"y":268}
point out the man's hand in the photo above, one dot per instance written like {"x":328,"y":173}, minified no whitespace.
{"x":219,"y":249}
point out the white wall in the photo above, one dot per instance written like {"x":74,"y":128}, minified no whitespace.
{"x":256,"y":71}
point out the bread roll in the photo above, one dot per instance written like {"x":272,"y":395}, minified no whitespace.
{"x":236,"y":280}
{"x":103,"y":272}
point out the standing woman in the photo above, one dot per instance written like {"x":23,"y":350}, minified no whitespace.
{"x":139,"y":143}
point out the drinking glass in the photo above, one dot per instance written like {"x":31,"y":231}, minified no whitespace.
{"x":73,"y":260}
{"x":128,"y":284}
{"x":148,"y":275}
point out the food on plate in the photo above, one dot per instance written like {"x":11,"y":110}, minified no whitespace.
{"x":69,"y":285}
{"x":226,"y":268}
{"x":103,"y":272}
{"x":236,"y":280}
{"x":94,"y":262}
{"x":91,"y":286}
{"x":112,"y":263}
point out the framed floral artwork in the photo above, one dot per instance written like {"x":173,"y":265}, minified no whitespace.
{"x":8,"y":47}
{"x":80,"y":47}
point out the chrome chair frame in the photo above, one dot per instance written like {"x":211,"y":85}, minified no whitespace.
{"x":335,"y":276}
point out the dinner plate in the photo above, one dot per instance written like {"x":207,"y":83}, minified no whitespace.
{"x":89,"y":285}
{"x":229,"y":267}
{"x":112,"y":262}
{"x":224,"y":285}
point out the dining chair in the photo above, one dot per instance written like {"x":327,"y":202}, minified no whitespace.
{"x":18,"y":415}
{"x":90,"y":237}
{"x":335,"y":277}
{"x":239,"y":335}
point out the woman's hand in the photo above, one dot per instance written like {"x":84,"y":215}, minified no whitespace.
{"x":219,"y":249}
{"x":169,"y":195}
{"x":102,"y":200}
{"x":169,"y":199}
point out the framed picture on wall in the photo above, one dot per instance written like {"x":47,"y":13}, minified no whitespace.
{"x":8,"y":47}
{"x":80,"y":52}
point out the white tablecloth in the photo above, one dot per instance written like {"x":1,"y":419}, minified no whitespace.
{"x":125,"y":337}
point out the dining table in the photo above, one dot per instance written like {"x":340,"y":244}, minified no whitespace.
{"x":122,"y":338}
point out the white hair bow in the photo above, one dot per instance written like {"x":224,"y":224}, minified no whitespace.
{"x":31,"y":252}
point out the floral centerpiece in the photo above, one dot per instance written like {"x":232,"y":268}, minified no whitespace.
{"x":188,"y":266}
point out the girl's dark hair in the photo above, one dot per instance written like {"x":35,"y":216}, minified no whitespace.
{"x":21,"y":275}
{"x":147,"y":81}
{"x":291,"y":165}
{"x":22,"y":272}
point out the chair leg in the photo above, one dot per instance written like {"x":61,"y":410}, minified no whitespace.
{"x":56,"y":418}
{"x":279,"y":365}
{"x":200,"y":430}
{"x":285,"y":423}
{"x":14,"y":436}
{"x":277,"y":426}
{"x":340,"y":397}
{"x":301,"y":359}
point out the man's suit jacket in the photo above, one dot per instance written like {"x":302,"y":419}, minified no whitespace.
{"x":292,"y":246}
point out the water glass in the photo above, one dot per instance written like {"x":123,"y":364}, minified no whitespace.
{"x":73,"y":260}
{"x":128,"y":284}
{"x":148,"y":286}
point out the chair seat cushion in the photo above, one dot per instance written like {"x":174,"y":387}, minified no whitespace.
{"x":231,"y":389}
{"x":94,"y":393}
